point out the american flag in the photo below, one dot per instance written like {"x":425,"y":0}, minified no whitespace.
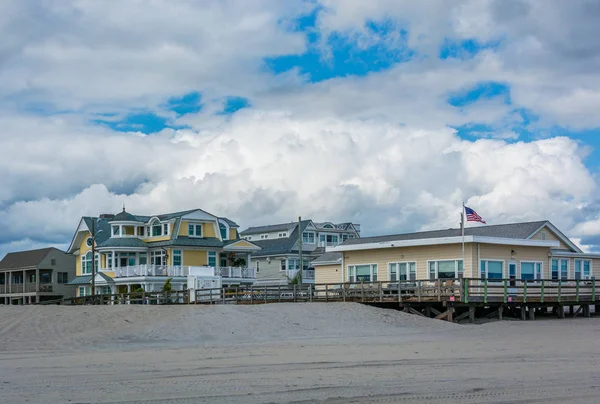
{"x":472,"y":216}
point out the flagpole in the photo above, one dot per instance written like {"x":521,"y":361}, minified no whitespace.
{"x":462,"y":227}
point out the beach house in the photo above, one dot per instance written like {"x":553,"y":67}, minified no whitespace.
{"x":129,"y":252}
{"x":278,"y":261}
{"x":35,"y":276}
{"x":528,"y":251}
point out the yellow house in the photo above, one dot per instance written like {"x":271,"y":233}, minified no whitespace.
{"x":128,"y":252}
{"x":529,"y":251}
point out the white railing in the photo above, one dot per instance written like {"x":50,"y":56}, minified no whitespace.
{"x":149,"y":270}
{"x":236,"y":272}
{"x":308,"y":275}
{"x":169,"y":270}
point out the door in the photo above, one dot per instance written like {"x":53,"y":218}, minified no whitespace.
{"x":512,"y":273}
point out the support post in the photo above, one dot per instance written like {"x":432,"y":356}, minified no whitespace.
{"x":471,"y":314}
{"x":531,"y":313}
{"x":327,"y":292}
{"x":505,"y":291}
{"x":485,"y":290}
{"x":577,"y":290}
{"x":523,"y":313}
{"x":466,"y":292}
{"x":542,"y":296}
{"x":500,"y":312}
{"x":586,"y":310}
{"x":380,"y":292}
{"x":525,"y":291}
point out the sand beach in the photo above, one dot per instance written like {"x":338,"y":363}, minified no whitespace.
{"x":289,"y":353}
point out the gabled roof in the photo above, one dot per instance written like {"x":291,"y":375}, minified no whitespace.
{"x":231,"y":223}
{"x":24,"y":259}
{"x":328,"y":258}
{"x":124,"y":217}
{"x":512,"y":230}
{"x":284,"y":245}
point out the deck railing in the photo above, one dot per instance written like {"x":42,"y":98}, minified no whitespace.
{"x":236,"y":272}
{"x":307,"y":274}
{"x":169,"y":270}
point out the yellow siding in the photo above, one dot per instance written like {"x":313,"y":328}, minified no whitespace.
{"x":109,"y":273}
{"x":504,"y":252}
{"x":183,"y":229}
{"x":420,"y":255}
{"x":232,"y":234}
{"x":194,"y":258}
{"x":208,"y":230}
{"x":550,"y":236}
{"x":83,"y":249}
{"x":328,"y":273}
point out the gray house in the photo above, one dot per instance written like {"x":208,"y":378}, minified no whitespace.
{"x":36,"y":275}
{"x":278,"y":261}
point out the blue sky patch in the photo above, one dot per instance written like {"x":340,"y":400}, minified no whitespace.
{"x":345,"y":56}
{"x":186,"y":104}
{"x":145,"y":122}
{"x":464,"y":49}
{"x":234,"y":104}
{"x":483,"y":90}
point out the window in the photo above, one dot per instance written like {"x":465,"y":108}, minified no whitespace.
{"x":85,"y":291}
{"x":344,"y":237}
{"x":445,"y":269}
{"x":257,"y":267}
{"x":86,"y":263}
{"x":62,"y":277}
{"x":583,"y":269}
{"x":282,"y":266}
{"x":176,"y":258}
{"x":52,"y":261}
{"x":560,"y":269}
{"x":194,"y":230}
{"x":328,"y":226}
{"x":166,"y":229}
{"x":322,"y":239}
{"x":264,"y":236}
{"x":109,"y":260}
{"x":295,"y":264}
{"x":223,"y":230}
{"x":543,"y":235}
{"x":403,"y":271}
{"x":158,"y":257}
{"x":281,"y":235}
{"x":491,"y":269}
{"x":223,"y":260}
{"x":308,"y":237}
{"x":89,"y":241}
{"x":156,"y":228}
{"x":115,"y":230}
{"x":362,"y":273}
{"x":143,"y":259}
{"x":212,"y":259}
{"x":148,"y":231}
{"x":531,"y":270}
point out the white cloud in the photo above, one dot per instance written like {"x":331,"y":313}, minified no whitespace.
{"x":376,"y":149}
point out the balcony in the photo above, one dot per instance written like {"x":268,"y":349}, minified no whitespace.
{"x":174,"y":271}
{"x":28,"y":287}
{"x":308,"y":275}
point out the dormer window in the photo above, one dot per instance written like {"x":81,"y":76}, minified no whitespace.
{"x":328,"y":226}
{"x":264,"y":236}
{"x":115,"y":230}
{"x":281,"y":235}
{"x":194,"y":230}
{"x":156,"y":228}
{"x":308,"y":237}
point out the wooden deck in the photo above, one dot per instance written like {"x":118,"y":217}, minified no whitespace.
{"x":450,"y":299}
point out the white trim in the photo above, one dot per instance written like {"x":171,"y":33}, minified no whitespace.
{"x":81,"y":227}
{"x":407,"y":270}
{"x":504,"y":267}
{"x":581,"y":268}
{"x":558,"y":234}
{"x":445,"y":240}
{"x":321,"y":263}
{"x":569,"y":254}
{"x":371,"y":271}
{"x":520,"y":274}
{"x":445,"y":260}
{"x":559,"y":269}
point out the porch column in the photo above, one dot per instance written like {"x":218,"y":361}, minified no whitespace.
{"x":121,"y":230}
{"x":128,"y":288}
{"x":37,"y":279}
{"x":249,"y":260}
{"x":114,"y":260}
{"x":9,"y":282}
{"x":23,"y":285}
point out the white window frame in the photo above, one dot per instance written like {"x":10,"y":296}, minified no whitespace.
{"x":397,"y":265}
{"x":87,"y":291}
{"x":581,"y":261}
{"x":486,"y":260}
{"x":264,"y":236}
{"x":306,"y":237}
{"x":373,"y":270}
{"x":209,"y":255}
{"x":283,"y":265}
{"x":180,"y":254}
{"x":456,"y":271}
{"x":535,"y":276}
{"x":195,"y":227}
{"x":282,"y":235}
{"x":560,"y":268}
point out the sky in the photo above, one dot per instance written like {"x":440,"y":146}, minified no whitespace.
{"x":387,"y":113}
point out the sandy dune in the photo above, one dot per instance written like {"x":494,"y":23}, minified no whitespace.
{"x":302,"y":353}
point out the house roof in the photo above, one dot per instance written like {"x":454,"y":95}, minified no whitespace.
{"x":188,"y":242}
{"x":270,"y":228}
{"x":87,"y":279}
{"x":328,"y":258}
{"x":23,"y":259}
{"x":512,"y":230}
{"x":124,"y":217}
{"x":132,"y":242}
{"x":230,"y":222}
{"x":284,"y":245}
